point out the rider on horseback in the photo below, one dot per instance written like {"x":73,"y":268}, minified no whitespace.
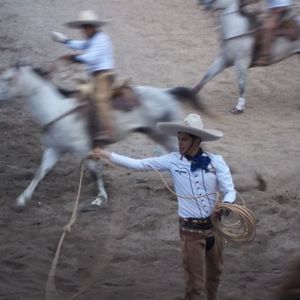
{"x":277,"y":9}
{"x":98,"y":56}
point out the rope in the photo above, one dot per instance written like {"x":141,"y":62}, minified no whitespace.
{"x":243,"y":230}
{"x":181,"y":196}
{"x":51,"y":292}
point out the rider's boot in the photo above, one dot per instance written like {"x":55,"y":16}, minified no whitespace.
{"x":264,"y":58}
{"x":269,"y":32}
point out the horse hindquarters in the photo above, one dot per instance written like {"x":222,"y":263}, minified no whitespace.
{"x":283,"y":48}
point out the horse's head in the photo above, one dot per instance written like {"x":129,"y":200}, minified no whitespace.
{"x":8,"y":83}
{"x":19,"y":80}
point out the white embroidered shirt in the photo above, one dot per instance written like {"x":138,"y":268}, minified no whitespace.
{"x":97,"y":52}
{"x":199,"y":186}
{"x":278,"y":3}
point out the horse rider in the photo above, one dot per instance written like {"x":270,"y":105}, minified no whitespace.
{"x":197,"y":176}
{"x":97,"y":55}
{"x":276,"y":10}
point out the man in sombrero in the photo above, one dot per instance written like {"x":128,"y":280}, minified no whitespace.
{"x":97,"y":55}
{"x":197,"y":177}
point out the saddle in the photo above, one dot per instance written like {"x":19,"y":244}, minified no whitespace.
{"x":288,"y":28}
{"x":123,"y":97}
{"x":288,"y":24}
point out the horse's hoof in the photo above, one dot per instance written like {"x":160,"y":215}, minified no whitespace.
{"x":100,"y":201}
{"x":89,"y":208}
{"x":94,"y":205}
{"x":237,"y":111}
{"x":18,"y":207}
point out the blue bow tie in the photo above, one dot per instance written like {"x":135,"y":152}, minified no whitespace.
{"x":199,"y":162}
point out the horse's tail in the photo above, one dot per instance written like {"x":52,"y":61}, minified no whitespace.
{"x":186,"y":94}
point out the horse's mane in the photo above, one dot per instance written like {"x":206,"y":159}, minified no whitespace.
{"x":42,"y":72}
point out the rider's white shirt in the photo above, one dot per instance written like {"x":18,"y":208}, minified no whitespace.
{"x":97,"y":52}
{"x":199,"y":186}
{"x":278,"y":3}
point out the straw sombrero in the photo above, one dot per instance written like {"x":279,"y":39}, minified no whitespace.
{"x":192,"y":124}
{"x":86,"y":17}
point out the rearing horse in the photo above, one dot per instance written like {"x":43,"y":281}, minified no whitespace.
{"x":238,"y":47}
{"x":66,"y":129}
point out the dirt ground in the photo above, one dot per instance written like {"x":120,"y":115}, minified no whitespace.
{"x":130,"y":249}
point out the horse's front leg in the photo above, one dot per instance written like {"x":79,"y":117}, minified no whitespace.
{"x":95,"y":167}
{"x":216,"y":68}
{"x":49,"y":159}
{"x":241,"y":67}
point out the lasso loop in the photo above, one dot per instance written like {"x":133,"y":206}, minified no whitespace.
{"x":51,"y":292}
{"x":243,"y":230}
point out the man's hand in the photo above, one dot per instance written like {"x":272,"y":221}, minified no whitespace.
{"x":59,"y":37}
{"x":219,"y":212}
{"x":95,"y":154}
{"x":68,"y":57}
{"x":98,"y":153}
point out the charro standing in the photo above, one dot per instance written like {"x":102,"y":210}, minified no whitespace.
{"x":197,"y":176}
{"x":97,"y":54}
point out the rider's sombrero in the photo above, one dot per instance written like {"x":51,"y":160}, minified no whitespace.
{"x":193,"y":125}
{"x":86,"y":17}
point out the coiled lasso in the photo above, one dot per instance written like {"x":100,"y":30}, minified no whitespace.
{"x":243,"y":229}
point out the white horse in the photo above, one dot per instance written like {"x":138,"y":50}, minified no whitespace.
{"x":238,"y":47}
{"x":66,"y":129}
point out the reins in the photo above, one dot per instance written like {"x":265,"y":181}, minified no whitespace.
{"x":47,"y":126}
{"x":250,"y":32}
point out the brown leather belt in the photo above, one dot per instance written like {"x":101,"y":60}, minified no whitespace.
{"x":102,"y":71}
{"x":195,"y":224}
